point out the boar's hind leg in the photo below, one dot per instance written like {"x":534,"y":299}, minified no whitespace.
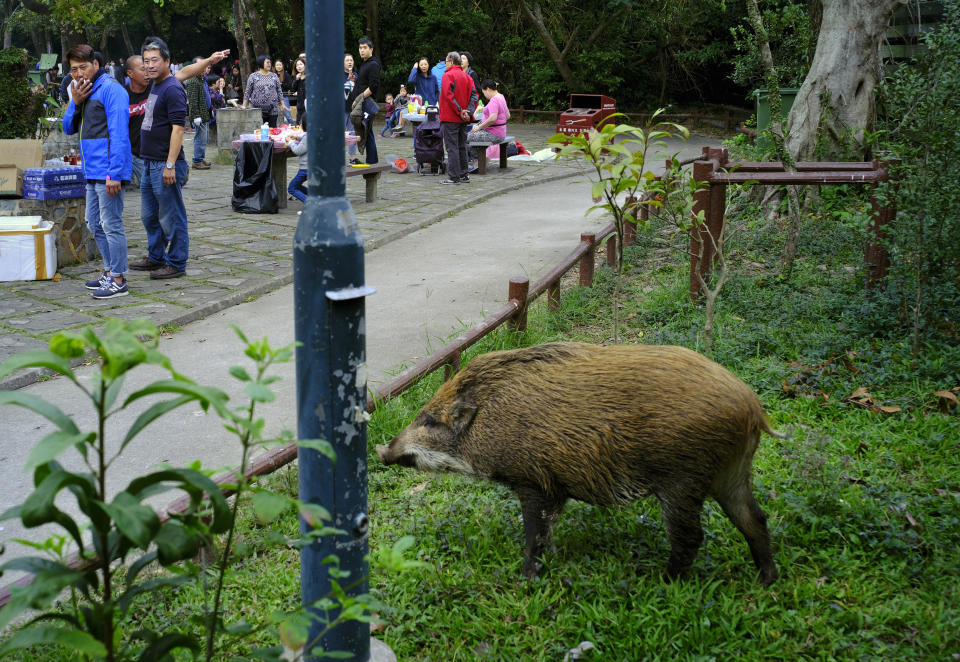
{"x":745,"y":513}
{"x":540,"y":512}
{"x":681,"y":516}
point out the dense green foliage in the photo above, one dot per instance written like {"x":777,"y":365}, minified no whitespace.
{"x":644,"y":54}
{"x":921,"y":125}
{"x":20,"y":107}
{"x":126,"y":554}
{"x":792,"y":40}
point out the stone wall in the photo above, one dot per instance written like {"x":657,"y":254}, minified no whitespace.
{"x":74,"y":239}
{"x":231,"y":122}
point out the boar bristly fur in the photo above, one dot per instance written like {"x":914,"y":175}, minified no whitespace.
{"x":605,"y":425}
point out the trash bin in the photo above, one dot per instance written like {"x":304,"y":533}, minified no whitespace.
{"x":253,"y":189}
{"x":787,"y":96}
{"x":586,"y":112}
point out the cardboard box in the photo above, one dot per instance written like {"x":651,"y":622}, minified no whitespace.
{"x":54,"y":192}
{"x":28,"y":254}
{"x":21,"y":152}
{"x":11,"y":180}
{"x":16,"y":155}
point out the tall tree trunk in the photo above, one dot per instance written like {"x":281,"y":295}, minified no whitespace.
{"x":837,"y":95}
{"x":295,"y":8}
{"x":103,"y":45}
{"x":8,"y":8}
{"x":257,"y":33}
{"x":373,"y":23}
{"x":126,"y":40}
{"x":37,"y":40}
{"x":535,"y":16}
{"x":240,"y":35}
{"x":776,"y":128}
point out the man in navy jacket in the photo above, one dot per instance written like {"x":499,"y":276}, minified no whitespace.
{"x":101,"y":116}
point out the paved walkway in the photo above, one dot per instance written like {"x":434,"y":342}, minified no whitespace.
{"x":234,"y":257}
{"x":431,"y":283}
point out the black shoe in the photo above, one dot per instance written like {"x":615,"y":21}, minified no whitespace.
{"x":449,"y":181}
{"x":354,"y":161}
{"x":145,"y":264}
{"x":167,"y":271}
{"x":464,"y":180}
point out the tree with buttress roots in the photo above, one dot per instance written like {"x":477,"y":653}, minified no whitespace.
{"x":835,"y":105}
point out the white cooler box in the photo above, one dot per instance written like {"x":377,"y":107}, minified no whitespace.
{"x":28,"y":248}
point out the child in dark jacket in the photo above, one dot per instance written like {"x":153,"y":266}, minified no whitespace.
{"x":299,"y":147}
{"x":388,"y":109}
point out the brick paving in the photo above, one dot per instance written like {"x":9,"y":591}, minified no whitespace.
{"x":234,"y":257}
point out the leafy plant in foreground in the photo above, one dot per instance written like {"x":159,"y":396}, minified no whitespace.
{"x":124,"y":536}
{"x":624,"y":182}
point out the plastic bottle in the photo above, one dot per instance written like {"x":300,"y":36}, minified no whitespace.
{"x":265,"y":132}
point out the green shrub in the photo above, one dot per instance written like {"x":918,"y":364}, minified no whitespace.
{"x":20,"y":107}
{"x":920,"y":126}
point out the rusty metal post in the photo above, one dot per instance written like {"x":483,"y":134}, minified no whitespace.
{"x":875,"y":254}
{"x":586,"y":261}
{"x":612,"y":249}
{"x":701,"y":249}
{"x":519,"y":287}
{"x":451,"y":366}
{"x":553,"y":296}
{"x":630,"y":229}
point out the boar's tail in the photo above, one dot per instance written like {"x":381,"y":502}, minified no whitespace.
{"x":766,"y":427}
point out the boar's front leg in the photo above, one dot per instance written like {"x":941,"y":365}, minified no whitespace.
{"x":540,"y":512}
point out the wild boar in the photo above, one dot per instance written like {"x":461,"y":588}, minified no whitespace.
{"x":605,"y":425}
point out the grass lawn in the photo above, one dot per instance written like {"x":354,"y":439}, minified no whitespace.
{"x":863,"y":503}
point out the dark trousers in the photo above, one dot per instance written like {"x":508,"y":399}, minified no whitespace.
{"x":455,"y":142}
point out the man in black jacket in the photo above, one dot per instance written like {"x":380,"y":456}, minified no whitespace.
{"x":368,"y":82}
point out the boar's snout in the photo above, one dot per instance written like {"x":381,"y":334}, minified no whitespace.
{"x":396,"y":453}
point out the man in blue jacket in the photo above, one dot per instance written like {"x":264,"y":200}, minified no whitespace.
{"x":101,"y":116}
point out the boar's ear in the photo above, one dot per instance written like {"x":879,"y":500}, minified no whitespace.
{"x":461,"y":415}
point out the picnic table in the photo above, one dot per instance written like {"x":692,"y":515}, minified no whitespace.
{"x":281,"y":152}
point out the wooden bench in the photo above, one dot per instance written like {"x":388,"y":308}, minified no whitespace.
{"x":371,"y":176}
{"x":482,"y":156}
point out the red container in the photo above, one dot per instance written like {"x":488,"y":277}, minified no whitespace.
{"x":586,"y":111}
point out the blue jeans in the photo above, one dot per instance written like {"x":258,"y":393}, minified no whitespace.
{"x":164,"y":216}
{"x":105,"y":220}
{"x":200,"y":143}
{"x":391,"y":121}
{"x":137,"y":172}
{"x":296,"y":188}
{"x":287,"y":115}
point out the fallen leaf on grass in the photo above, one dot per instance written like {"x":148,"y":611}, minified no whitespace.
{"x":862,"y":398}
{"x":941,"y":492}
{"x":947,"y":399}
{"x":576,"y":653}
{"x":419,"y":488}
{"x":910,"y":519}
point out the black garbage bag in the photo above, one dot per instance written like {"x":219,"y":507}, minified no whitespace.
{"x":253,"y":189}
